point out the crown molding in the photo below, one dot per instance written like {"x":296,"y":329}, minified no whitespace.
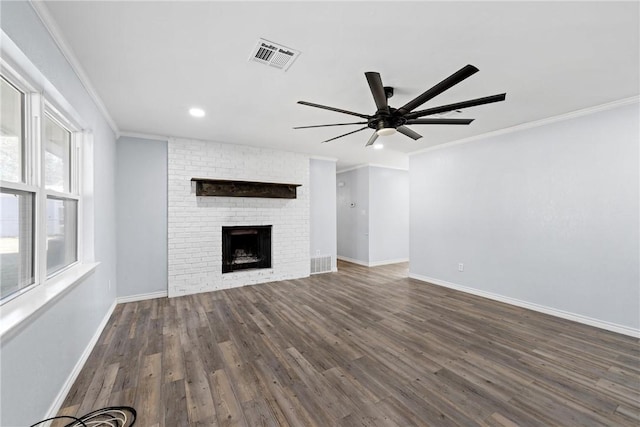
{"x":534,"y":124}
{"x":144,"y":136}
{"x":23,"y":72}
{"x":328,"y":159}
{"x":375,"y":165}
{"x":352,"y":168}
{"x":45,"y":16}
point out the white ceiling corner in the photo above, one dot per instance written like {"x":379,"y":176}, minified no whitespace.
{"x":50,"y":24}
{"x":552,"y":59}
{"x":537,"y":123}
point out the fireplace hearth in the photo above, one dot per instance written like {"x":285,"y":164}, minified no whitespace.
{"x":246,"y":247}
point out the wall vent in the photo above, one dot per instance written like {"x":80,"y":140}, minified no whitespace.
{"x":321,"y":264}
{"x":274,"y":54}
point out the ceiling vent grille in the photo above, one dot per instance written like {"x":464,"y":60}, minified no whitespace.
{"x":273,"y":54}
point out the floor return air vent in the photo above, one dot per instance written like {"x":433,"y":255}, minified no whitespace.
{"x":321,"y":264}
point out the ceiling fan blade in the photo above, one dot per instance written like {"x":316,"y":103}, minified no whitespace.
{"x":452,"y":80}
{"x":337,"y":110}
{"x":366,"y":127}
{"x":372,"y":139}
{"x":377,"y":89}
{"x":457,"y":106}
{"x":335,"y":124}
{"x":406,"y":131}
{"x":439,"y":121}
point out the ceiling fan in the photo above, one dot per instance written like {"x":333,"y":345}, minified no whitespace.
{"x":387,"y":120}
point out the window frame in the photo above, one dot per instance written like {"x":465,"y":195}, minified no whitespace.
{"x":28,"y":182}
{"x":36,"y":105}
{"x":74,"y":183}
{"x":17,"y":310}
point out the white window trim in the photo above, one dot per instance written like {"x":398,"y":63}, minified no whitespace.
{"x":44,"y":97}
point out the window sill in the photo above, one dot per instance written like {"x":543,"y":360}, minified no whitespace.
{"x":18,"y":310}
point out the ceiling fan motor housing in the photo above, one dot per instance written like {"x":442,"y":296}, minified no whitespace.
{"x":383,"y":119}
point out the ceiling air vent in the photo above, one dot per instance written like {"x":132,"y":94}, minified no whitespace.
{"x":273,"y":54}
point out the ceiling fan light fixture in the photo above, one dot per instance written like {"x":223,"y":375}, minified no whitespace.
{"x":386,"y":131}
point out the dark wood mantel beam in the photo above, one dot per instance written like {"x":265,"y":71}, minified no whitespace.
{"x":233,"y":188}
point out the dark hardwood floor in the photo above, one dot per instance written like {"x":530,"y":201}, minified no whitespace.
{"x":361,"y":347}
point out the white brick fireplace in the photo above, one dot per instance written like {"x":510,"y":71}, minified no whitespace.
{"x":195,"y":222}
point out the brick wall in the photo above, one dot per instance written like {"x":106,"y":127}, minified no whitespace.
{"x":195,"y":223}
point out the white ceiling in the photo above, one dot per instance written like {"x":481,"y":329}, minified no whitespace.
{"x":150,"y":62}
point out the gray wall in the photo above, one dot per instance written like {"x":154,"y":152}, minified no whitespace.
{"x":141,"y":194}
{"x":376,"y":230}
{"x":322,"y":209}
{"x":547,"y":215}
{"x":353,"y":222}
{"x":388,"y":215}
{"x":38,"y":358}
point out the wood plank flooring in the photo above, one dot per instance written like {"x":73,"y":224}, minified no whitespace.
{"x":361,"y":347}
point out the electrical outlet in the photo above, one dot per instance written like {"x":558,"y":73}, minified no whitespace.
{"x":318,"y":252}
{"x":460,"y":266}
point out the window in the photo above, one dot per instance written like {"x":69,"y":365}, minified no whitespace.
{"x":62,"y":232}
{"x":12,"y":132}
{"x":16,"y":240}
{"x":39,"y":191}
{"x":17,"y":200}
{"x":62,"y":204}
{"x":57,"y":156}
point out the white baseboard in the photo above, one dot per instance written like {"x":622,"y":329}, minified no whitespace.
{"x":59,"y":400}
{"x":613,"y":327}
{"x":372,"y":264}
{"x":352,"y":260}
{"x":333,"y":270}
{"x":142,"y":297}
{"x":388,"y":261}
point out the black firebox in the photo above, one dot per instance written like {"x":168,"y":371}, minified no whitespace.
{"x":246,"y":247}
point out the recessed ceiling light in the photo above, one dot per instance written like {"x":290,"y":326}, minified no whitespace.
{"x":378,"y":146}
{"x":196,"y":112}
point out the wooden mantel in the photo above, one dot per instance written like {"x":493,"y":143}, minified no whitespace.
{"x":232,"y":188}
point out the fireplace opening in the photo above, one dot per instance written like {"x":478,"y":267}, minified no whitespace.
{"x":246,"y":247}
